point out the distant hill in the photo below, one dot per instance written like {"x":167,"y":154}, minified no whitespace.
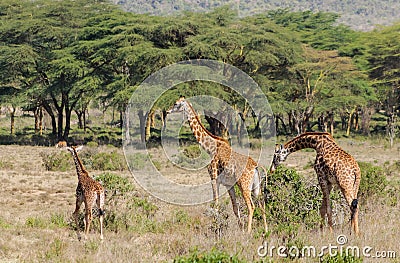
{"x":358,"y":14}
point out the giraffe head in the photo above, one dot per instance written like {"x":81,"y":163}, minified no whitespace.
{"x":280,"y":155}
{"x":180,"y":105}
{"x":74,"y":149}
{"x":61,"y":144}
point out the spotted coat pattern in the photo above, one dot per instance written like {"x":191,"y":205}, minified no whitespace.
{"x":227,"y":167}
{"x":90,"y":192}
{"x":333,"y":166}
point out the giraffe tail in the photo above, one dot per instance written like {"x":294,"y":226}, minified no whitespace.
{"x":353,"y":207}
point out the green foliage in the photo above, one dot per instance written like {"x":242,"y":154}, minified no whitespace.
{"x":108,"y":161}
{"x":4,"y":224}
{"x":115,"y":184}
{"x":192,"y":151}
{"x":58,"y":220}
{"x":340,"y":259}
{"x":214,"y":255}
{"x":5,"y":165}
{"x":373,"y":180}
{"x":137,"y":161}
{"x":291,"y":202}
{"x":56,"y":161}
{"x":36,"y":222}
{"x":56,"y":249}
{"x":92,"y":144}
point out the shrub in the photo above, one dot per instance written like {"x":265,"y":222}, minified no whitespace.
{"x":373,"y":180}
{"x":56,"y":161}
{"x":214,"y":255}
{"x":112,"y":161}
{"x":115,"y":183}
{"x":92,"y":144}
{"x":291,"y":201}
{"x":35,"y":222}
{"x":192,"y":151}
{"x":340,"y":259}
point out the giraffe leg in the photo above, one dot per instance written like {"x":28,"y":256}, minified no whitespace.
{"x":213,"y":171}
{"x":88,"y":218}
{"x":100,"y":204}
{"x":75,"y":215}
{"x":353,"y":204}
{"x":215,"y":186}
{"x":235,"y":206}
{"x":250,"y":207}
{"x":261,"y":204}
{"x":325,"y":209}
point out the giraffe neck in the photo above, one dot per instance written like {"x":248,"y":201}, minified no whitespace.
{"x":207,"y":140}
{"x":80,"y":169}
{"x":314,"y":140}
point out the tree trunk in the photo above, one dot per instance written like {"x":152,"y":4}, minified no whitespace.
{"x":163,"y":119}
{"x":36,"y":114}
{"x":49,"y":110}
{"x":40,"y":121}
{"x":12,"y":120}
{"x":149,"y":121}
{"x":349,"y":121}
{"x":142,"y":124}
{"x":366,"y":115}
{"x":79,"y":114}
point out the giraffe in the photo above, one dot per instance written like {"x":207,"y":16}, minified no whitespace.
{"x":89,"y":191}
{"x":333,"y":166}
{"x":227,"y":167}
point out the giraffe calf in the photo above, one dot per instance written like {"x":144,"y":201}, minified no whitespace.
{"x":89,"y":191}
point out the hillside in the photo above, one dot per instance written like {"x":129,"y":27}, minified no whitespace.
{"x":359,"y":14}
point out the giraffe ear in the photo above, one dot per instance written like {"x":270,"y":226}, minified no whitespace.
{"x":69,"y":149}
{"x":79,"y":148}
{"x":278,"y":147}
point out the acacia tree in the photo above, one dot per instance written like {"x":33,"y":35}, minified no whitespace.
{"x":381,"y":55}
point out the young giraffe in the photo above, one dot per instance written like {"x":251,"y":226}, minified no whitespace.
{"x":227,"y":167}
{"x":88,"y":191}
{"x":333,"y":166}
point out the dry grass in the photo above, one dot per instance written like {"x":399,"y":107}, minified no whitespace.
{"x":36,"y":207}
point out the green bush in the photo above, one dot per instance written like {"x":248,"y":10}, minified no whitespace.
{"x":112,"y":161}
{"x":192,"y":151}
{"x":340,"y":259}
{"x":36,"y":222}
{"x":57,"y":161}
{"x":115,"y":183}
{"x":291,"y":201}
{"x":373,"y":180}
{"x":214,"y":255}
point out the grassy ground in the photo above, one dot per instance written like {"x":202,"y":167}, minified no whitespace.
{"x":36,"y":206}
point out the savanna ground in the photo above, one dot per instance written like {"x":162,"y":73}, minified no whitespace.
{"x":38,"y":197}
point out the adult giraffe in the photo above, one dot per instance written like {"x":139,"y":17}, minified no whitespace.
{"x":227,"y":167}
{"x":333,"y":166}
